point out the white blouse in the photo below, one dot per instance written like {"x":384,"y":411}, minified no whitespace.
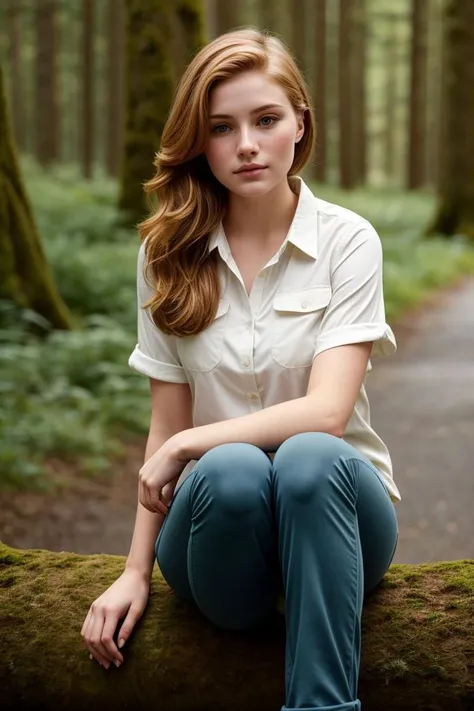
{"x":322,"y":289}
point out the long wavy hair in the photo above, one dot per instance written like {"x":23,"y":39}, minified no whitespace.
{"x":191,"y":202}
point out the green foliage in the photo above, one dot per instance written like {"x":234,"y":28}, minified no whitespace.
{"x":72,"y":394}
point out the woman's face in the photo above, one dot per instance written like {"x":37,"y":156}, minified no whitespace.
{"x":251,"y":122}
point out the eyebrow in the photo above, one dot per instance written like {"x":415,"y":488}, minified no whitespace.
{"x":255,"y":111}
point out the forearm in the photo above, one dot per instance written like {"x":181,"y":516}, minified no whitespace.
{"x":147,"y":524}
{"x":266,"y":429}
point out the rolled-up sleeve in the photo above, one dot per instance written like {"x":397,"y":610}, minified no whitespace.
{"x":156,"y":353}
{"x":356,"y":311}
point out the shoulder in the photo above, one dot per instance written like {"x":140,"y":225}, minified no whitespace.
{"x":339,"y":228}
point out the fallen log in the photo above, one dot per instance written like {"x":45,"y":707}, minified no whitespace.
{"x":417,"y":644}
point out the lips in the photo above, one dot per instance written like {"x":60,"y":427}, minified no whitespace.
{"x":251,"y":169}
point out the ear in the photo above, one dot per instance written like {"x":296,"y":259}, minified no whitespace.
{"x":300,"y":130}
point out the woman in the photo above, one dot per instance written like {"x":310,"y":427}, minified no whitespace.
{"x":261,"y":306}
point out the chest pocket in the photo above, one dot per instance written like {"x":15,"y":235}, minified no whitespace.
{"x":298,"y":316}
{"x":203,"y":351}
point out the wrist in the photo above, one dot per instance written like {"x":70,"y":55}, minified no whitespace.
{"x":139,"y":570}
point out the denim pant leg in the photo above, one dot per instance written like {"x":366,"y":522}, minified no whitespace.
{"x":337,"y":532}
{"x":217,"y":545}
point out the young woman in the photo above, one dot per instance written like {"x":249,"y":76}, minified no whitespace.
{"x":260,"y":307}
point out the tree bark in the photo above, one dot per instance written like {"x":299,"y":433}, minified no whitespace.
{"x":417,"y":112}
{"x":115,"y":84}
{"x":25,"y":277}
{"x":13,"y":13}
{"x":347,"y":171}
{"x":455,"y":211}
{"x":299,"y":18}
{"x":227,"y":15}
{"x":87,"y":108}
{"x":149,"y":91}
{"x":319,"y":91}
{"x":47,"y":122}
{"x":417,"y":632}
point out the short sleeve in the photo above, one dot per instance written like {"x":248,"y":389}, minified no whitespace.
{"x":155,"y":354}
{"x":356,"y":311}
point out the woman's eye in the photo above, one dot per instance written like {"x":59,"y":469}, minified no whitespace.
{"x":268,"y":120}
{"x":220,"y":128}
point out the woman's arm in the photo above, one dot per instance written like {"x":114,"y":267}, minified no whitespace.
{"x":335,"y":381}
{"x":171,"y":414}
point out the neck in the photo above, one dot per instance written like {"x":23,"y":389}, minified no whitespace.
{"x":261,"y":220}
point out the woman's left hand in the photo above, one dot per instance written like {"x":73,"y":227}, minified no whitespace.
{"x":159,"y":475}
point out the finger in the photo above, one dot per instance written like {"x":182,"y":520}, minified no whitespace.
{"x":95,"y":641}
{"x":158,"y":505}
{"x":86,"y":623}
{"x":128,"y":624}
{"x":93,"y":653}
{"x":107,"y":638}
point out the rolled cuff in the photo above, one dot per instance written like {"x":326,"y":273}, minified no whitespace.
{"x":380,"y":333}
{"x":155,"y":369}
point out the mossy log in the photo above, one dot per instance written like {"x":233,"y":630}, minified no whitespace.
{"x":417,"y":643}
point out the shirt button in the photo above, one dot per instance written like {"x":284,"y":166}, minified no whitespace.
{"x":304,"y":304}
{"x":246,"y":362}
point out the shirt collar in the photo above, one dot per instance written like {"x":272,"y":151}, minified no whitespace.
{"x":303,"y":232}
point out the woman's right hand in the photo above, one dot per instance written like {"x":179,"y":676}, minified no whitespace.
{"x":126,"y":598}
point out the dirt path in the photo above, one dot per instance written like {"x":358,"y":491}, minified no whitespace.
{"x":422,"y":405}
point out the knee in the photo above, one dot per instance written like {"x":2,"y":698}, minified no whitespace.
{"x":309,"y":464}
{"x":234,"y":476}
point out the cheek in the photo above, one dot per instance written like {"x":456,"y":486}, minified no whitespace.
{"x":283,"y":141}
{"x":216,"y":152}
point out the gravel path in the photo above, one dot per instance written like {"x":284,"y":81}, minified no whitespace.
{"x":422,"y":405}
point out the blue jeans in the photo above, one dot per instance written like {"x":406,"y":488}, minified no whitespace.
{"x":318,"y":520}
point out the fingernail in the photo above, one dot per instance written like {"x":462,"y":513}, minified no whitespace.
{"x":117,"y":663}
{"x":90,"y":656}
{"x":121,"y":643}
{"x":107,"y":665}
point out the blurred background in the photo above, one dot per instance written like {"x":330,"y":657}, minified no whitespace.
{"x":85,"y":87}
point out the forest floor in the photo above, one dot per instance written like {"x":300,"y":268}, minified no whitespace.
{"x":422,"y":402}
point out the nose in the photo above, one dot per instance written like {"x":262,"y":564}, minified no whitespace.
{"x":247,"y":144}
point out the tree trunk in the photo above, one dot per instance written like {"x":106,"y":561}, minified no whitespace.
{"x":319,"y":91}
{"x":268,"y":15}
{"x":115,"y":84}
{"x":417,"y":632}
{"x":390,"y":101}
{"x":359,"y":114}
{"x":149,"y":91}
{"x":25,"y":277}
{"x":346,"y":134}
{"x":188,"y":34}
{"x":13,"y":12}
{"x":87,"y":108}
{"x":46,"y":86}
{"x":417,"y":111}
{"x":227,"y":15}
{"x":455,"y":212}
{"x":299,"y":18}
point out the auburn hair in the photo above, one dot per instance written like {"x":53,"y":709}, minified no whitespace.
{"x":191,"y":202}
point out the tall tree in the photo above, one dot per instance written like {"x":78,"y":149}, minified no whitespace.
{"x":227,"y":14}
{"x":47,"y":121}
{"x":299,"y":18}
{"x":359,"y":116}
{"x":188,"y":33}
{"x":25,"y":277}
{"x":13,"y":13}
{"x":455,"y":211}
{"x":115,"y":23}
{"x":87,"y":108}
{"x":319,"y":90}
{"x":149,"y":90}
{"x":267,"y":15}
{"x":417,"y":111}
{"x":390,"y":97}
{"x":347,"y":174}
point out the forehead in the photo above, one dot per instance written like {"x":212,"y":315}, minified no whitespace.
{"x":245,"y":92}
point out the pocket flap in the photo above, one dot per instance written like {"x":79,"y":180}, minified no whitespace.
{"x":222,"y":309}
{"x":303,"y":301}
